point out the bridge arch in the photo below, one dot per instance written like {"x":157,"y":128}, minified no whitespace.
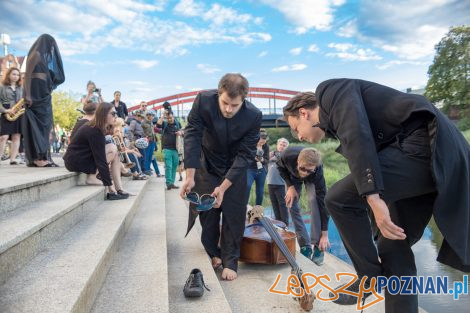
{"x":276,"y":99}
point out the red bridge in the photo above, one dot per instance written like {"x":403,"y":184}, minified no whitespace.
{"x":276,"y":98}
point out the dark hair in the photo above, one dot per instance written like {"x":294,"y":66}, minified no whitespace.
{"x":117,"y":91}
{"x":305,"y":100}
{"x":101,"y":116}
{"x":90,"y":107}
{"x":90,"y":83}
{"x":6,"y":80}
{"x":234,"y":84}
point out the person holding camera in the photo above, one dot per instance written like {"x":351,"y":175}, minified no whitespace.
{"x":93,"y":94}
{"x":259,"y":168}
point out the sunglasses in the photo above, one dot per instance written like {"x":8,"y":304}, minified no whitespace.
{"x":306,"y":170}
{"x":203,"y":203}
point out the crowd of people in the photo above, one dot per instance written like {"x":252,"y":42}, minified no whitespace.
{"x":397,"y":147}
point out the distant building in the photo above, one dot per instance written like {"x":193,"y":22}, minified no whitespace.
{"x":11,"y":61}
{"x":419,"y":91}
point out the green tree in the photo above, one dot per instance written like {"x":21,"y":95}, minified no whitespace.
{"x":450,"y":72}
{"x":64,"y":108}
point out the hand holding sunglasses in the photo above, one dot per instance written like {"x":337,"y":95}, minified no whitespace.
{"x":203,"y":202}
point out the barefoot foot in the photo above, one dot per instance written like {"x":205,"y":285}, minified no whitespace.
{"x":228,"y":274}
{"x":216,"y":262}
{"x":92,"y":180}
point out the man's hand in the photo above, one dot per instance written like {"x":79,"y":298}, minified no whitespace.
{"x":324,"y":243}
{"x":382,"y":218}
{"x":187,"y":186}
{"x":291,"y":195}
{"x":218,"y":193}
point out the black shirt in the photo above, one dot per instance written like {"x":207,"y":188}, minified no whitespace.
{"x":86,"y":153}
{"x":287,"y":166}
{"x":169,"y":135}
{"x":121,"y":109}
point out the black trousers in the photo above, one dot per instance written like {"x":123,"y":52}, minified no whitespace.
{"x":233,"y":211}
{"x":409,"y":193}
{"x":277,"y":194}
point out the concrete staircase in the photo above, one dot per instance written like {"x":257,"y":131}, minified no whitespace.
{"x":64,"y":249}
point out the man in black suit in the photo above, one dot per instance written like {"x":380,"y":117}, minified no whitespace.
{"x":407,"y":161}
{"x":299,"y":165}
{"x":219,"y":144}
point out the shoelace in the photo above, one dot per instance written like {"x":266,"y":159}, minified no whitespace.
{"x":197,"y":281}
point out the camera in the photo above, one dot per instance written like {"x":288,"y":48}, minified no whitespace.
{"x":98,"y":90}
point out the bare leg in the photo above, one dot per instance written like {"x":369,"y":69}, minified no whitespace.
{"x":15,"y":146}
{"x":228,"y":274}
{"x":92,"y":180}
{"x":3,"y":140}
{"x":112,"y":156}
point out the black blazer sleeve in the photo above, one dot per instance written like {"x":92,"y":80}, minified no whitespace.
{"x":283,"y":168}
{"x":320,"y":190}
{"x":193,"y":136}
{"x":97,"y":144}
{"x":124,"y":108}
{"x":343,"y":103}
{"x":246,"y":151}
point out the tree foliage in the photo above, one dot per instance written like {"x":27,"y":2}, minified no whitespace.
{"x":64,"y":108}
{"x":449,"y":74}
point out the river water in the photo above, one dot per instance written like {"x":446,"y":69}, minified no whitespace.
{"x":425,"y":252}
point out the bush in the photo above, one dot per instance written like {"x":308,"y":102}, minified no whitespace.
{"x":464,"y":123}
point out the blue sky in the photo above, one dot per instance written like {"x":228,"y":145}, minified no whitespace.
{"x":151,"y":49}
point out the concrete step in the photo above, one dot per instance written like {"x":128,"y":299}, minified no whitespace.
{"x":67,"y":276}
{"x":184,"y":254}
{"x":21,"y":185}
{"x":26,"y":231}
{"x":137,"y":281}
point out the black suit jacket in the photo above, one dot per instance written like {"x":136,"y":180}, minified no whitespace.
{"x":225,"y":146}
{"x":287,"y":166}
{"x":366,"y":117}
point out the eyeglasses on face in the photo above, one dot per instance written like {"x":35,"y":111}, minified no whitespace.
{"x":307,"y":170}
{"x":203,"y":202}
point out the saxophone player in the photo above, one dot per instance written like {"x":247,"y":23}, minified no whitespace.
{"x":10,"y":93}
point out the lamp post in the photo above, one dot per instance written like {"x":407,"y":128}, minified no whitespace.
{"x":5,"y":41}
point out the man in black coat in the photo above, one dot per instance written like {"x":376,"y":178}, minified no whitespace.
{"x":407,"y":161}
{"x":299,"y":165}
{"x":219,"y":144}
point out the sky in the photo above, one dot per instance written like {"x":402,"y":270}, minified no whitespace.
{"x":152,"y":49}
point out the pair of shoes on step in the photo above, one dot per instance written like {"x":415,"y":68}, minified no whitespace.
{"x":194,"y":286}
{"x":119,"y":195}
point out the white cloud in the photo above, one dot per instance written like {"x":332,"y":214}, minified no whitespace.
{"x":262,"y":54}
{"x":295,"y":51}
{"x":398,"y":62}
{"x":207,"y":68}
{"x":313,"y":48}
{"x":307,"y":14}
{"x":409,"y":29}
{"x":145,"y":64}
{"x":189,"y":8}
{"x":179,"y":87}
{"x":289,"y":68}
{"x":350,"y":52}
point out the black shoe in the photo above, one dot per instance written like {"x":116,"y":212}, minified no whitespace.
{"x":116,"y":196}
{"x":345,"y":299}
{"x":168,"y":187}
{"x":123,"y":193}
{"x":181,"y":178}
{"x":194,"y":284}
{"x":175,"y":187}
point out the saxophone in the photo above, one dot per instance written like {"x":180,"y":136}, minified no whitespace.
{"x":119,"y":142}
{"x":16,"y":111}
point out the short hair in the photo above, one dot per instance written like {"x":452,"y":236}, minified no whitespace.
{"x":310,"y":156}
{"x":117,"y":91}
{"x":90,"y":83}
{"x":306,"y":100}
{"x":282,"y":139}
{"x":234,"y":84}
{"x":6,"y":79}
{"x":90,"y":107}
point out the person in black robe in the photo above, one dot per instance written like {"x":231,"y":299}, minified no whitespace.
{"x":44,"y":72}
{"x":408,"y":162}
{"x":219,"y":144}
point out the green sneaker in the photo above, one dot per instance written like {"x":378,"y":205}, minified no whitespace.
{"x":318,"y":256}
{"x":306,"y":251}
